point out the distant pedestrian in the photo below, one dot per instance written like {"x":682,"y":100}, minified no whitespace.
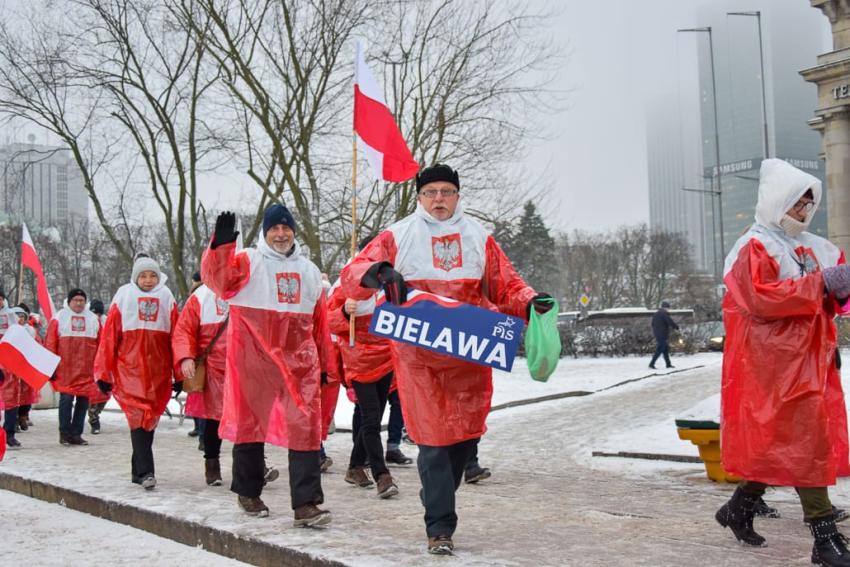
{"x":98,"y":399}
{"x":662,"y":324}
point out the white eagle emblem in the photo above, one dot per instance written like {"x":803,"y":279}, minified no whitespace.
{"x":148,"y":308}
{"x":221,"y":307}
{"x":289,"y":287}
{"x":446,"y":252}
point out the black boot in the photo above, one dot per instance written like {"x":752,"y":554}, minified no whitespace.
{"x":737,"y":515}
{"x":830,"y":545}
{"x":764,"y":511}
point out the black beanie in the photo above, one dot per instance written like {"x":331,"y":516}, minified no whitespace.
{"x":277,"y":214}
{"x":196,"y":277}
{"x":437,"y":172}
{"x":96,"y":306}
{"x":75,"y":292}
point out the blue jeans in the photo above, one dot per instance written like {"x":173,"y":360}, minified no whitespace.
{"x":68,"y":424}
{"x":396,"y":424}
{"x":11,"y":420}
{"x":661,"y":348}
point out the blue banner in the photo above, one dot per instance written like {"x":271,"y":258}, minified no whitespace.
{"x":452,"y":328}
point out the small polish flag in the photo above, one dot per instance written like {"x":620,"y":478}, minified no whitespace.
{"x":22,"y":356}
{"x":29,"y":258}
{"x":385,"y":147}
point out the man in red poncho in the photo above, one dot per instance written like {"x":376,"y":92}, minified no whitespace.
{"x":783,"y":419}
{"x":445,"y":401}
{"x":199,"y":333}
{"x":134,"y":358}
{"x":276,"y":353}
{"x":73,"y":335}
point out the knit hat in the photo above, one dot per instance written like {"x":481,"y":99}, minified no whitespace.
{"x":96,"y":306}
{"x":277,"y":214}
{"x":437,"y":172}
{"x":76,"y":292}
{"x":144,"y":263}
{"x":665,"y":305}
{"x":196,"y":277}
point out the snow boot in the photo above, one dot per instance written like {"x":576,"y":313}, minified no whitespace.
{"x":311,"y":516}
{"x":475,"y":473}
{"x":212,"y":472}
{"x":13,"y":443}
{"x":737,"y":515}
{"x":387,"y":487}
{"x":77,"y":440}
{"x":358,"y":477}
{"x":149,"y":481}
{"x":23,"y":422}
{"x":764,"y":511}
{"x":270,"y":474}
{"x":95,"y":427}
{"x":830,"y":546}
{"x":396,"y":457}
{"x":326,"y":464}
{"x":253,"y":506}
{"x":440,"y":545}
{"x":64,"y":439}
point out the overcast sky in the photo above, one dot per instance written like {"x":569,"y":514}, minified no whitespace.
{"x":621,"y":54}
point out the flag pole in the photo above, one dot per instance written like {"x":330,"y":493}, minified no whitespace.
{"x":21,"y":274}
{"x":353,"y":222}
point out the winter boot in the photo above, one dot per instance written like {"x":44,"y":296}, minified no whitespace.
{"x":387,"y":487}
{"x":839,"y":514}
{"x":764,"y":511}
{"x":77,"y":440}
{"x":23,"y":422}
{"x":737,"y":515}
{"x":212,"y":472}
{"x":440,"y":545}
{"x":830,"y":545}
{"x":326,"y":464}
{"x":396,"y":457}
{"x":270,"y":474}
{"x":358,"y":477}
{"x":253,"y":506}
{"x":311,"y":516}
{"x":64,"y":439}
{"x":12,"y":442}
{"x":95,"y":426}
{"x":149,"y":481}
{"x":475,"y":473}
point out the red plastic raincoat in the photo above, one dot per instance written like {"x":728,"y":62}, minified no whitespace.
{"x":200,"y":320}
{"x":444,"y":400}
{"x":74,"y":337}
{"x":783,"y":419}
{"x":276,"y":344}
{"x":135,"y":352}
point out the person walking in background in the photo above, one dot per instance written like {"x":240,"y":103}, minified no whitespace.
{"x":662,"y":324}
{"x":97,"y":399}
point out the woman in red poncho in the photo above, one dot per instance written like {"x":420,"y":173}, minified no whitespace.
{"x":73,"y":335}
{"x":134,"y":359}
{"x":199,"y":331}
{"x":783,"y":419}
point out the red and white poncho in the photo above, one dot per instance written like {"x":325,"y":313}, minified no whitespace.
{"x":74,"y":337}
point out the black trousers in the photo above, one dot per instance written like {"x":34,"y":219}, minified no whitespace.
{"x":141,"y":463}
{"x":372,"y":399}
{"x":212,"y":442}
{"x":441,"y":471}
{"x":305,"y":475}
{"x":661,"y":348}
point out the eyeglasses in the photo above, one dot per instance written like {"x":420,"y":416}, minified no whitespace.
{"x":431,"y":193}
{"x":806,"y":206}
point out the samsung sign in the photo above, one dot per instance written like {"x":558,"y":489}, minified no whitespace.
{"x":754,"y":164}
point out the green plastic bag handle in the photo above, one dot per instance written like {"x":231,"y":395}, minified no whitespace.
{"x":543,"y":342}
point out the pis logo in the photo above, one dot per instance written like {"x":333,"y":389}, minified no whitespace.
{"x":504,"y":329}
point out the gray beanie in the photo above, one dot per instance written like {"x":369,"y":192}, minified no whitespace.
{"x":144,"y":263}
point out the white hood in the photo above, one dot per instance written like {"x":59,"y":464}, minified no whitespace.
{"x":780,"y":186}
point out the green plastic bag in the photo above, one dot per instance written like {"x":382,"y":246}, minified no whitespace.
{"x":543,"y":343}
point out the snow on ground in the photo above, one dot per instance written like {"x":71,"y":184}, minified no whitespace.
{"x":50,"y":534}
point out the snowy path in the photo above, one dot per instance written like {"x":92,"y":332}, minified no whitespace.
{"x":548,"y":503}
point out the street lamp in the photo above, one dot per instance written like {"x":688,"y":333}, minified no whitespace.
{"x":757,"y":15}
{"x":713,"y":240}
{"x":718,"y":176}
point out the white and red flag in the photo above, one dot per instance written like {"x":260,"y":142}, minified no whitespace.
{"x":29,"y":258}
{"x":22,"y":356}
{"x":385,"y":147}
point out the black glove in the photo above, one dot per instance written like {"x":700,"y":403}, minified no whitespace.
{"x":225,"y":230}
{"x":104,"y":387}
{"x":383,"y":275}
{"x":2,"y":376}
{"x":177,"y":387}
{"x":540,"y":306}
{"x":52,"y":377}
{"x":324,"y":379}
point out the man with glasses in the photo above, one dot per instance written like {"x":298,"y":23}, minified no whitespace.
{"x":445,"y":401}
{"x":783,"y":420}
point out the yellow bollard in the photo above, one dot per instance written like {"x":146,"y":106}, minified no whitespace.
{"x":708,"y":443}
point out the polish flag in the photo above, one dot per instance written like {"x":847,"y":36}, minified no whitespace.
{"x":385,"y":147}
{"x":22,"y":356}
{"x":29,"y":258}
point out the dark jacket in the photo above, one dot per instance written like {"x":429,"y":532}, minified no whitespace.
{"x":661,"y":325}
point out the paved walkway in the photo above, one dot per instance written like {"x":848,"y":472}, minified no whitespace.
{"x":546,"y":504}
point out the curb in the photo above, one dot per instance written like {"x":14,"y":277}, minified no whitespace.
{"x":213,"y":540}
